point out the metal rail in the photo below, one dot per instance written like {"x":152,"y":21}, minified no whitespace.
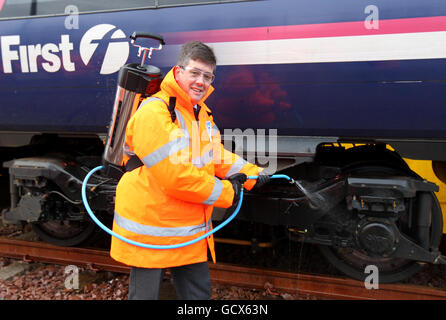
{"x":303,"y":284}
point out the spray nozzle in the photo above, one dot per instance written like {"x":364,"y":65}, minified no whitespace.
{"x":315,"y":199}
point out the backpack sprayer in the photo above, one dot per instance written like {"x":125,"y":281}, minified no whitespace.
{"x":136,"y":82}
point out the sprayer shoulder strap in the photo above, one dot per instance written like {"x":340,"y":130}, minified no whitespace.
{"x":134,"y":161}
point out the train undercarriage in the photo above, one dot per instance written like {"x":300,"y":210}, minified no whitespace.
{"x":376,"y":210}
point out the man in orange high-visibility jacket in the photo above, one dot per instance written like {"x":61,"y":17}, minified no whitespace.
{"x":186,"y":172}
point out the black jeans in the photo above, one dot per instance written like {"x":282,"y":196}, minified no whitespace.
{"x":192,"y":282}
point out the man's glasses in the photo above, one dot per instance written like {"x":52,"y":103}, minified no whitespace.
{"x":195,"y":73}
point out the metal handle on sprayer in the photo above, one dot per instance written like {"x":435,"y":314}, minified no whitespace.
{"x":140,"y":34}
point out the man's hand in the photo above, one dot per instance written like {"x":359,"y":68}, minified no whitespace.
{"x":261,"y":180}
{"x":237,"y":181}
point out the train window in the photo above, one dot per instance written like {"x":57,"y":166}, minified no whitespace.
{"x":162,"y":3}
{"x":31,"y":8}
{"x":27,"y":8}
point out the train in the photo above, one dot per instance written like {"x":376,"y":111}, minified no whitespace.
{"x":345,"y":97}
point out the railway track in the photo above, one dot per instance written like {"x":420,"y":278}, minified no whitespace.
{"x":303,"y":284}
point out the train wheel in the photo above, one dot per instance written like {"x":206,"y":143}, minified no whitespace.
{"x":353,"y":262}
{"x":64,"y":233}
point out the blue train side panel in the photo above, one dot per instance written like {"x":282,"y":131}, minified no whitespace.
{"x":318,"y":71}
{"x":306,"y":68}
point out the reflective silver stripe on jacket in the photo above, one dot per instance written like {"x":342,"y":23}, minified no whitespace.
{"x":236,"y":167}
{"x":200,"y":162}
{"x":165,"y":151}
{"x":216,"y":191}
{"x":150,"y":99}
{"x":182,"y":123}
{"x":127,"y":151}
{"x":171,"y":147}
{"x":147,"y":230}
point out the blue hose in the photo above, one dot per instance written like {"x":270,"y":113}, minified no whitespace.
{"x":153,"y":246}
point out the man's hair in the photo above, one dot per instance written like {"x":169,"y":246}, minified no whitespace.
{"x":196,"y":50}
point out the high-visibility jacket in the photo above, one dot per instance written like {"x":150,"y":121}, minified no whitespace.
{"x":169,"y":200}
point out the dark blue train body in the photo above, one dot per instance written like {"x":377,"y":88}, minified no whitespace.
{"x":346,"y":94}
{"x":340,"y":81}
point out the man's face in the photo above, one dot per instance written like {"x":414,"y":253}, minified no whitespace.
{"x":194,"y":79}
